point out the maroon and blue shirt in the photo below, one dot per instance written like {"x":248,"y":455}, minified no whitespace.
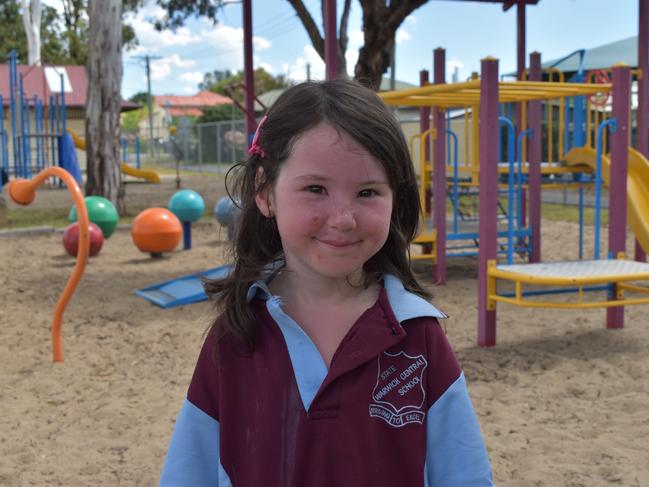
{"x":392,"y":408}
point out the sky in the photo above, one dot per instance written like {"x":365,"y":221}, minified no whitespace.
{"x":468,"y":31}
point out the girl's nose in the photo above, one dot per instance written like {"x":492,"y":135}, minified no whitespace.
{"x":342,"y":218}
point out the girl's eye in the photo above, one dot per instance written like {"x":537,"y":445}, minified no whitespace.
{"x":315,"y":189}
{"x":367,"y":193}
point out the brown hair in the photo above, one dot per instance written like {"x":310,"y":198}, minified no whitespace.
{"x":349,"y":107}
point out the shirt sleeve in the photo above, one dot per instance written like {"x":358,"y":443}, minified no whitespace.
{"x":193,"y":457}
{"x":455,"y":452}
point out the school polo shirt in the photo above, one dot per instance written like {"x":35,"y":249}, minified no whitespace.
{"x":392,"y":409}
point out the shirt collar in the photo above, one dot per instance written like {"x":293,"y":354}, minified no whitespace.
{"x":405,"y":305}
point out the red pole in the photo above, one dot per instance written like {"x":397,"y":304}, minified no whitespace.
{"x":249,"y":75}
{"x":534,"y":176}
{"x":642,"y":126}
{"x":520,"y":55}
{"x":488,"y":201}
{"x":439,"y":171}
{"x":331,"y":39}
{"x":617,"y":207}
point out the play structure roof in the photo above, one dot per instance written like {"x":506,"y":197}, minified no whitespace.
{"x":468,"y":93}
{"x":600,"y":57}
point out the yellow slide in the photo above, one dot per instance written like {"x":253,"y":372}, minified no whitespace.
{"x":637,"y":186}
{"x":149,"y":175}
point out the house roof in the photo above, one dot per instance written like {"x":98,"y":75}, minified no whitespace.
{"x":45,"y":81}
{"x":200,"y":100}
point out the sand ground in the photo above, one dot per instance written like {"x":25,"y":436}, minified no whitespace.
{"x":562,"y":400}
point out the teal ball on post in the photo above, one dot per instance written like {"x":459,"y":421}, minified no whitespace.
{"x":101,"y":212}
{"x":189,"y":207}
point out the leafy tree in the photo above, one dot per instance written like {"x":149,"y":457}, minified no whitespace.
{"x":220,"y":113}
{"x":264,"y":81}
{"x":12,"y":33}
{"x":141,"y":97}
{"x":381,"y":20}
{"x":75,"y":16}
{"x":212,"y":78}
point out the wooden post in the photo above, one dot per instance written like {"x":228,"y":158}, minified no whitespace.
{"x":488,"y":196}
{"x":424,"y":125}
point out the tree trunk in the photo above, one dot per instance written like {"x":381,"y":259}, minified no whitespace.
{"x":380,"y":24}
{"x":104,"y":101}
{"x":32,"y":24}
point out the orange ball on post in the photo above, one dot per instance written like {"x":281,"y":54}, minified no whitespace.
{"x":155,"y":231}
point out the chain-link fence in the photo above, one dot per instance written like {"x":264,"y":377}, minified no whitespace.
{"x":212,"y":147}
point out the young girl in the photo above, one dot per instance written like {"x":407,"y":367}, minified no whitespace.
{"x":327,"y":366}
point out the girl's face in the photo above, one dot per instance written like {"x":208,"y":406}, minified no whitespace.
{"x":332,"y":202}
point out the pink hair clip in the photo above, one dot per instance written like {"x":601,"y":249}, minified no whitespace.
{"x":255,"y":148}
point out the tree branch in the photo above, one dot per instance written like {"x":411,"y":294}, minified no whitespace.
{"x":310,"y":26}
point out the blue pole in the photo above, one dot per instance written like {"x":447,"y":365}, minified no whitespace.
{"x":137,"y":151}
{"x":13,"y":88}
{"x":511,"y":151}
{"x":50,"y":114}
{"x":519,"y":178}
{"x":612,"y":123}
{"x":581,"y":222}
{"x":456,"y":195}
{"x":124,"y":149}
{"x":64,"y":125}
{"x":187,"y":235}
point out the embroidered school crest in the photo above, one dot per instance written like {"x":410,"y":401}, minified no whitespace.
{"x":398,"y":396}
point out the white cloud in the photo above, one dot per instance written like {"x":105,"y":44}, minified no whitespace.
{"x":149,"y":39}
{"x":161,"y":68}
{"x":297,"y":70}
{"x":412,"y":19}
{"x":193,"y":77}
{"x":402,"y":36}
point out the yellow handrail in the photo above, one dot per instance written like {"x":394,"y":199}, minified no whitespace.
{"x":23,"y":192}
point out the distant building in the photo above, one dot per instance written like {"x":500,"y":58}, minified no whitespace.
{"x":167,"y":107}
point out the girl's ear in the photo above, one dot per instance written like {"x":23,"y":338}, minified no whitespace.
{"x":263,"y":198}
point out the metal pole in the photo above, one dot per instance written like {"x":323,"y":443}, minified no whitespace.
{"x":488,"y":201}
{"x":439,"y":171}
{"x":534,"y":158}
{"x":642,"y":125}
{"x":249,"y":75}
{"x":331,"y":39}
{"x":617,"y":207}
{"x":149,"y":103}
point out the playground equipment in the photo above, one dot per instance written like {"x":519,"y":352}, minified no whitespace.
{"x":155,"y":231}
{"x":23,"y":192}
{"x":488,"y":99}
{"x":71,"y":239}
{"x":101,"y":211}
{"x":227,"y":212}
{"x":36,"y":126}
{"x":149,"y":175}
{"x":189,"y":207}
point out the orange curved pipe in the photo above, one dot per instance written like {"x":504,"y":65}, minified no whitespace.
{"x":23,"y":192}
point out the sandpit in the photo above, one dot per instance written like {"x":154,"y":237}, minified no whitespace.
{"x":562,"y":400}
